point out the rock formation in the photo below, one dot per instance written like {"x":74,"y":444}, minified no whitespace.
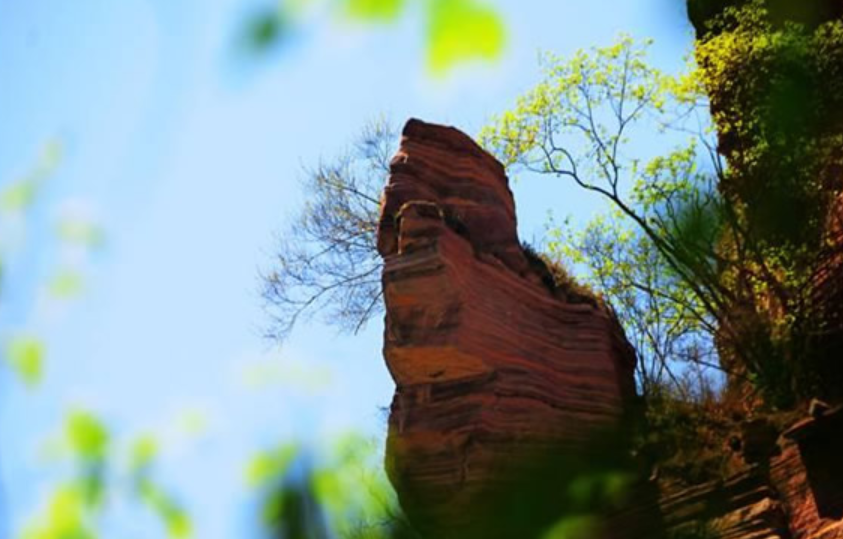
{"x":510,"y":384}
{"x":495,"y":368}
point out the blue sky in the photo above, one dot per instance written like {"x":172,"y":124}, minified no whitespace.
{"x":190,"y":161}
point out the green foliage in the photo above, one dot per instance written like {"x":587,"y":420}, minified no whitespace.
{"x":268,"y":466}
{"x":87,"y":436}
{"x":582,"y":527}
{"x":375,"y":10}
{"x":340,"y":492}
{"x":685,"y":426}
{"x":654,"y":259}
{"x":735,"y":247}
{"x":558,"y":280}
{"x":66,"y":284}
{"x":461,"y":30}
{"x":22,"y":193}
{"x":24,"y":350}
{"x":100,"y":475}
{"x":775,"y":81}
{"x":25,"y":354}
{"x":456,"y":31}
{"x":176,"y":520}
{"x":662,"y":318}
{"x":65,"y":517}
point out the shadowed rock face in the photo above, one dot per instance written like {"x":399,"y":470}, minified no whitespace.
{"x":493,"y":372}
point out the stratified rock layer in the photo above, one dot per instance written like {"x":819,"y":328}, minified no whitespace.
{"x":493,"y":371}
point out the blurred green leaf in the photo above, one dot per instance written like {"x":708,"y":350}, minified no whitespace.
{"x":142,"y":453}
{"x":25,"y":355}
{"x":375,"y":10}
{"x":66,"y":284}
{"x":178,"y":523}
{"x":63,"y":519}
{"x":582,"y":489}
{"x":577,"y":527}
{"x":87,"y":435}
{"x":80,"y":232}
{"x":91,"y":483}
{"x":264,"y":30}
{"x":461,"y":30}
{"x":616,"y":486}
{"x":175,"y":518}
{"x":18,"y":195}
{"x":270,"y":465}
{"x":193,"y":423}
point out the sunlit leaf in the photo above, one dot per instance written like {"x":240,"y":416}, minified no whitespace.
{"x":193,"y":423}
{"x":174,"y":517}
{"x":21,"y":193}
{"x":81,"y":232}
{"x":87,"y":435}
{"x":375,"y":10}
{"x":25,"y":355}
{"x":142,"y":453}
{"x":18,"y":195}
{"x":270,"y":465}
{"x":66,"y":284}
{"x":178,"y":523}
{"x":64,"y":518}
{"x":461,"y":30}
{"x":576,"y":527}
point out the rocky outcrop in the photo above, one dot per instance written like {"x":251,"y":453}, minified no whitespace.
{"x":743,"y":506}
{"x":497,"y":373}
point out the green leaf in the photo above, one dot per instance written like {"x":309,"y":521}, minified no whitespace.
{"x":574,"y":527}
{"x":81,"y":232}
{"x":270,"y":465}
{"x":21,"y":194}
{"x":178,"y":523}
{"x":461,"y":30}
{"x":25,"y":355}
{"x":375,"y":10}
{"x":175,"y":518}
{"x":87,"y":435}
{"x":142,"y":453}
{"x":64,"y":518}
{"x":66,"y":284}
{"x":264,"y":30}
{"x":18,"y":195}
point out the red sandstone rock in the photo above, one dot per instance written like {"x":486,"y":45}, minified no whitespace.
{"x":491,"y":368}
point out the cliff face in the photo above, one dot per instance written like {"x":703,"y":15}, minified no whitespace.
{"x":494,"y":370}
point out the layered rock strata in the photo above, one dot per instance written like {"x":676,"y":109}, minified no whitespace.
{"x":496,"y":372}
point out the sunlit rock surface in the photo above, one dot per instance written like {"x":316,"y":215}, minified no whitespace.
{"x":494,"y":372}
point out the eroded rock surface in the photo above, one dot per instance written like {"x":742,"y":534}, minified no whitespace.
{"x":494,"y":371}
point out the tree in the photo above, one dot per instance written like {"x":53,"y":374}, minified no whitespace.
{"x":664,"y":322}
{"x":656,"y":259}
{"x":580,"y":123}
{"x":327,"y":258}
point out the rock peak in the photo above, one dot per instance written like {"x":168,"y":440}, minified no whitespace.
{"x":490,"y":368}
